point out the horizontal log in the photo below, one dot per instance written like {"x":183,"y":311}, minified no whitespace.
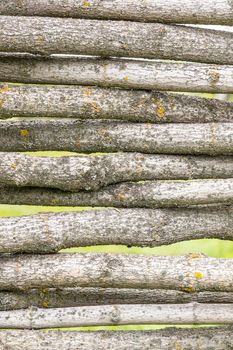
{"x":176,"y":11}
{"x":107,"y":315}
{"x":50,"y":232}
{"x":218,"y":338}
{"x":55,"y":101}
{"x":94,"y":172}
{"x":191,"y":273}
{"x":73,"y":297}
{"x":123,"y":73}
{"x":47,"y":35}
{"x":151,"y":194}
{"x":112,"y":136}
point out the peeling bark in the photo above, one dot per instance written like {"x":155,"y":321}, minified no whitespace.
{"x":40,"y":35}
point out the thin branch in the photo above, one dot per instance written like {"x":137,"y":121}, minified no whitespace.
{"x":112,"y":136}
{"x":176,"y":11}
{"x":47,"y":35}
{"x":194,"y":272}
{"x":133,"y":74}
{"x":50,"y":232}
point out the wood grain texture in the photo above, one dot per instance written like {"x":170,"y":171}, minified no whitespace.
{"x":74,"y":173}
{"x":148,"y":194}
{"x":46,"y":36}
{"x":218,"y":338}
{"x":85,"y":102}
{"x":73,"y":297}
{"x":191,"y":273}
{"x":112,"y":136}
{"x":50,"y":232}
{"x":108,"y":315}
{"x":174,"y":11}
{"x":123,"y":73}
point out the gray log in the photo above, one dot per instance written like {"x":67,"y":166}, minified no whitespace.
{"x":50,"y":232}
{"x":94,"y":172}
{"x":191,"y":273}
{"x":133,"y":74}
{"x":151,"y":194}
{"x":174,"y":11}
{"x":217,"y":338}
{"x":73,"y":297}
{"x":112,"y":136}
{"x":108,"y":315}
{"x":40,"y":35}
{"x":103,"y":103}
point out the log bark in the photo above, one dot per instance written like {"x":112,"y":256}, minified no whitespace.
{"x":50,"y":232}
{"x":46,"y":36}
{"x":123,"y":73}
{"x":94,"y":172}
{"x":176,"y":11}
{"x":17,"y":100}
{"x":107,"y":315}
{"x":112,"y":136}
{"x":192,"y":273}
{"x":73,"y":297}
{"x":151,"y":194}
{"x":218,"y":338}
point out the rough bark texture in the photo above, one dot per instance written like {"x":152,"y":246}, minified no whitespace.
{"x":107,"y":315}
{"x":217,"y":338}
{"x":136,"y":74}
{"x":49,"y":232}
{"x":48,"y":35}
{"x":73,"y":297}
{"x":175,"y":11}
{"x":94,"y":172}
{"x":112,"y":136}
{"x":103,"y":103}
{"x":151,"y":194}
{"x":191,"y":273}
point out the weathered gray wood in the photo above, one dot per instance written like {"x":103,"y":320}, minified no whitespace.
{"x":174,"y":11}
{"x":107,"y":315}
{"x":112,"y":136}
{"x":50,"y":232}
{"x":93,"y":172}
{"x":73,"y":297}
{"x":136,"y":74}
{"x":48,"y":35}
{"x":17,"y":100}
{"x":148,"y":194}
{"x":217,"y":338}
{"x":191,"y":273}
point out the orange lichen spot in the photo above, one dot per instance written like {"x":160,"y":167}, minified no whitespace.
{"x":86,"y":3}
{"x":95,"y":106}
{"x":13,"y":166}
{"x":86,"y":91}
{"x":24,"y":132}
{"x":160,"y":110}
{"x":148,"y":125}
{"x":214,"y":76}
{"x":4,"y":88}
{"x":198,"y":275}
{"x":126,"y":78}
{"x":162,"y":30}
{"x":40,"y":40}
{"x":120,"y":196}
{"x":178,"y":346}
{"x":195,"y":256}
{"x":125,"y":46}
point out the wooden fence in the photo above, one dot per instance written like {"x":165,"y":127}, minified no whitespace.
{"x":157,"y":169}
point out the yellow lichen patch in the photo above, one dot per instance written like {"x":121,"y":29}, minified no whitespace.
{"x":86,"y":91}
{"x":153,"y":99}
{"x":86,"y":3}
{"x":4,"y":89}
{"x":188,"y":289}
{"x":45,"y":304}
{"x":160,"y":110}
{"x":95,"y":107}
{"x":198,"y":275}
{"x":126,"y":78}
{"x":13,"y":166}
{"x":179,"y":346}
{"x":120,"y":196}
{"x":24,"y":132}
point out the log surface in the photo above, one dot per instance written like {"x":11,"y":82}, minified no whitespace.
{"x":123,"y":73}
{"x":94,"y":172}
{"x":46,"y":36}
{"x":85,"y":102}
{"x":73,"y":297}
{"x":218,"y":338}
{"x":191,"y":273}
{"x":149,"y":194}
{"x":174,"y":11}
{"x":112,"y":136}
{"x":107,"y":315}
{"x":49,"y":232}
